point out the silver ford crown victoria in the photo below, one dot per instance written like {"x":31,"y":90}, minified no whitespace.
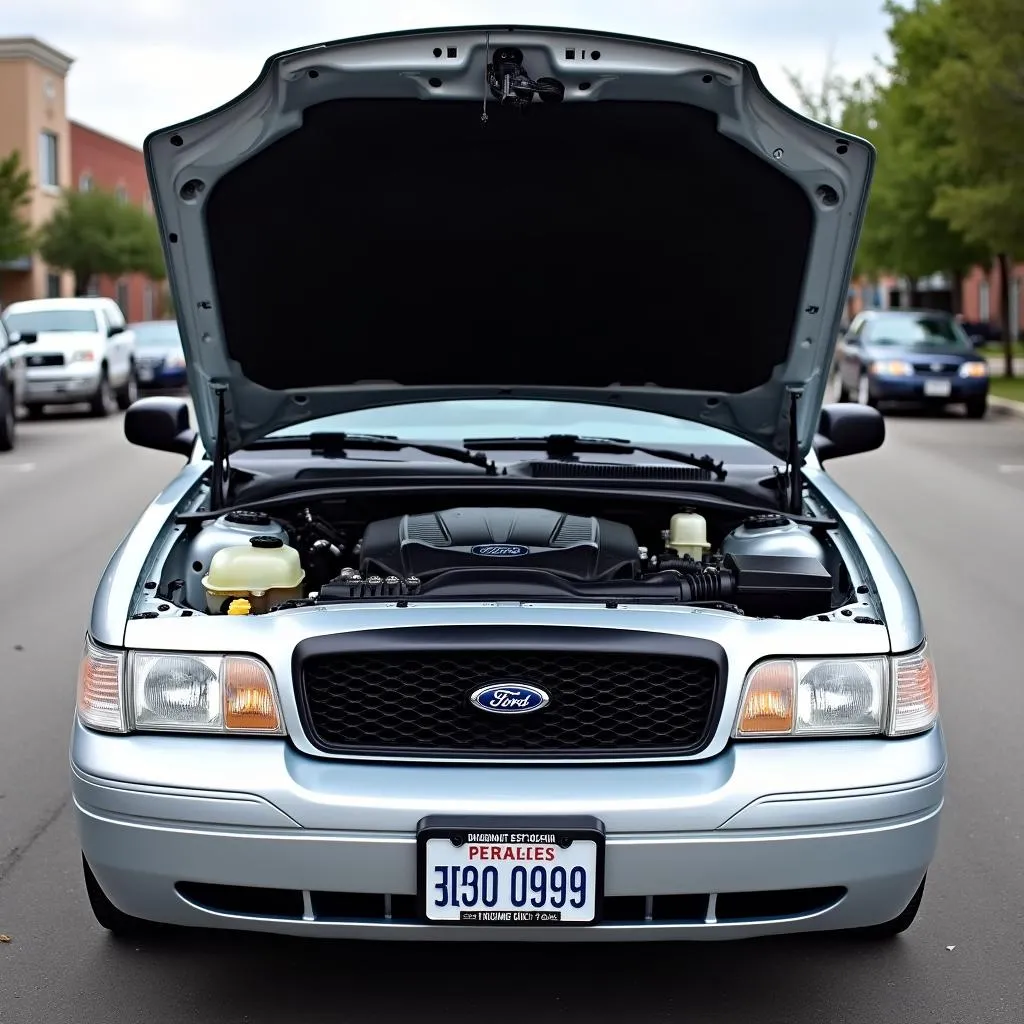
{"x":503,"y":594}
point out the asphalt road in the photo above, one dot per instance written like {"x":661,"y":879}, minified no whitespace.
{"x":950,"y":496}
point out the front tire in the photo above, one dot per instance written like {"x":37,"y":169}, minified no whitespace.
{"x":977,"y":407}
{"x":7,"y":424}
{"x":103,"y":401}
{"x":118,"y":923}
{"x":864,"y":396}
{"x":128,"y":392}
{"x":899,"y":924}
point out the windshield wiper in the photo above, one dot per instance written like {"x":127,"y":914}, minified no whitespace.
{"x":562,"y":446}
{"x":337,"y":446}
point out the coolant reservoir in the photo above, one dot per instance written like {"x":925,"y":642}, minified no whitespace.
{"x":231,"y":528}
{"x":772,"y":534}
{"x":688,"y":535}
{"x":264,"y":572}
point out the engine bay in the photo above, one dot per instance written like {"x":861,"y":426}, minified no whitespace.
{"x":248,"y":562}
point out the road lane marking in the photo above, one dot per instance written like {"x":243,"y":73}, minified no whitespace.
{"x":18,"y":467}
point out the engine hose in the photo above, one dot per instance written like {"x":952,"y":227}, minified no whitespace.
{"x":683,"y":565}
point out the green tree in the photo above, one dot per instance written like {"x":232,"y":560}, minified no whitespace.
{"x":15,"y":193}
{"x":979,"y":86}
{"x":95,"y":233}
{"x":909,"y":236}
{"x":904,"y":231}
{"x":850,"y":105}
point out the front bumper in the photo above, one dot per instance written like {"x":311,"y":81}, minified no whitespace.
{"x":917,"y":388}
{"x":331,"y":846}
{"x":57,"y":386}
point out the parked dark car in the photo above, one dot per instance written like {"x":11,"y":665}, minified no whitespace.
{"x":919,"y":356}
{"x":160,"y":363}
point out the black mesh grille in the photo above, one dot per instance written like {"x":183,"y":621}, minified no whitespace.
{"x":417,"y":702}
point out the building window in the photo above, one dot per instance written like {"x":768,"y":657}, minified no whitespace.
{"x":122,"y":295}
{"x":122,"y":194}
{"x":53,"y":286}
{"x":147,"y":301}
{"x":85,"y":182}
{"x":984,"y":310}
{"x":92,"y":289}
{"x":49,"y":166}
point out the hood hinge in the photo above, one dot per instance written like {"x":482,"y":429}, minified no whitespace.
{"x":794,"y":460}
{"x":221,"y":466}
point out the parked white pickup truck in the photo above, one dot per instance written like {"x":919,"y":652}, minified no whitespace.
{"x":77,"y":350}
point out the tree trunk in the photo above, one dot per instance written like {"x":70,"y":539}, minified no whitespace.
{"x":1005,"y":296}
{"x":956,"y":292}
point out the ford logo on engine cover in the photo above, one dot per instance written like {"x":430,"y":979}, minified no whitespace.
{"x":509,"y":698}
{"x":500,"y":550}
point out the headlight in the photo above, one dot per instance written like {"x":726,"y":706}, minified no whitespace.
{"x":973,"y":370}
{"x":175,"y":362}
{"x":123,"y":691}
{"x":84,"y":355}
{"x":892,"y":368}
{"x":838,"y":697}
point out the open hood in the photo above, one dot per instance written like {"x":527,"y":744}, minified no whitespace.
{"x":522,"y":212}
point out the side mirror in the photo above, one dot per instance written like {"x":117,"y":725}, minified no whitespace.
{"x":17,"y":338}
{"x":848,"y":429}
{"x":978,"y":340}
{"x":160,"y":423}
{"x":114,"y":329}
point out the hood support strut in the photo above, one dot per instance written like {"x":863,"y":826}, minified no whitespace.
{"x":221,"y":467}
{"x":794,"y":461}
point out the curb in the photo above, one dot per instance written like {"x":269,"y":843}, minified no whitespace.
{"x":1006,"y":406}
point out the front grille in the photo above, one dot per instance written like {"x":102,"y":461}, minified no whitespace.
{"x":413,"y":702}
{"x":54,"y":359}
{"x":930,"y":367}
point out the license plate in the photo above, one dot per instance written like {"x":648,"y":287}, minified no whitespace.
{"x":937,"y":388}
{"x":511,"y":873}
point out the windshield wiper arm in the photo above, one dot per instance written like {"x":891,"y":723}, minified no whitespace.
{"x":337,"y":446}
{"x":561,"y":446}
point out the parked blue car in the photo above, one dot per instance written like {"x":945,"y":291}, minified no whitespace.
{"x":160,"y":362}
{"x":906,"y":355}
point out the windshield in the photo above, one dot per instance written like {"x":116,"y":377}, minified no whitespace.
{"x":510,"y":417}
{"x":157,"y":335}
{"x":44,"y":320}
{"x":918,"y":331}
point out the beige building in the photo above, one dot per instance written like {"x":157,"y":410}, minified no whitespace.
{"x":34,"y":122}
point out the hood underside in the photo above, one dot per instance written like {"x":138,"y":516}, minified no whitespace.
{"x":370,"y":224}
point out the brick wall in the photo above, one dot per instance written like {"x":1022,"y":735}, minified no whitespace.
{"x":99,"y":161}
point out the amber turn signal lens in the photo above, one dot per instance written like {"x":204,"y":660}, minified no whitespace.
{"x":769,"y":700}
{"x":249,"y":700}
{"x":100,"y":704}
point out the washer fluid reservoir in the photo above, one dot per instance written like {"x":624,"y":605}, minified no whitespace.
{"x":264,"y":572}
{"x":772,"y":534}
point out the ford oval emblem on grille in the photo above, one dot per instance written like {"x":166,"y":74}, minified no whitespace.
{"x":509,"y":698}
{"x":500,"y":550}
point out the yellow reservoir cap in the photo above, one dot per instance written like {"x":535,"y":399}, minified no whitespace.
{"x":239,"y":607}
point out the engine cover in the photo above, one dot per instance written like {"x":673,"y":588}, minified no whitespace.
{"x":499,"y":538}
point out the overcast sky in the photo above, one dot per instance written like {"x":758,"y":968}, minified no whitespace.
{"x":146,"y":64}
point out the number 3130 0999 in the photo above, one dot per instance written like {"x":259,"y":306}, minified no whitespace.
{"x":539,"y":887}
